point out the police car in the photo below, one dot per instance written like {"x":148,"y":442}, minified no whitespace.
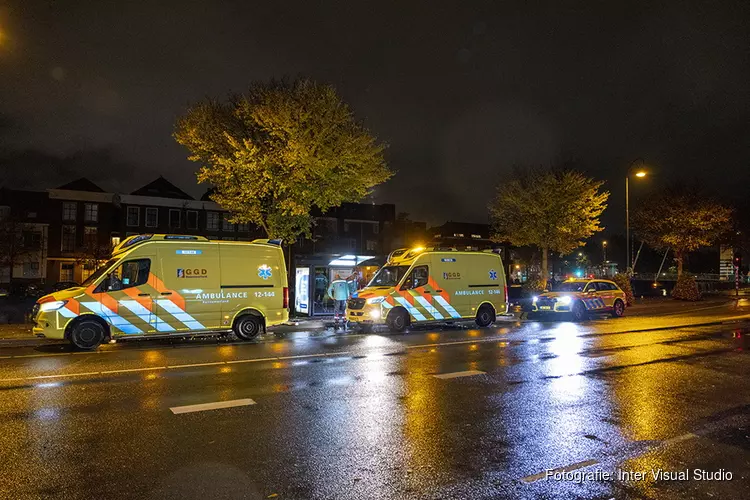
{"x":580,"y":297}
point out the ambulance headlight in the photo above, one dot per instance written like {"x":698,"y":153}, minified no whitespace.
{"x":52,"y":306}
{"x":565,"y":300}
{"x":375,"y":300}
{"x":534,"y":299}
{"x":375,"y":314}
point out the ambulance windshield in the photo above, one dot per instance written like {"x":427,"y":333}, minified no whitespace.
{"x":389,"y":276}
{"x":95,"y":275}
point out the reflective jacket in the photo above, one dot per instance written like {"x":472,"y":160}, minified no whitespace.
{"x":338,"y":290}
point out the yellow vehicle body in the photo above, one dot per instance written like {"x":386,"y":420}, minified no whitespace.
{"x":432,"y":286}
{"x":589,"y":295}
{"x":173,"y":284}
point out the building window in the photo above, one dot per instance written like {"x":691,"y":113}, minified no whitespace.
{"x":375,"y":228}
{"x":351,"y":243}
{"x":152,"y":217}
{"x":346,"y":227}
{"x":134,"y":216}
{"x":31,"y":215}
{"x":32,"y":240}
{"x":372,"y":245}
{"x":89,"y":236}
{"x":66,"y":272}
{"x":212,"y":221}
{"x":174,"y":218}
{"x":226,"y":225}
{"x":115,"y":240}
{"x":331,"y":226}
{"x":88,"y":270}
{"x":68,"y":239}
{"x":192,"y":219}
{"x":437,"y":236}
{"x":476,"y":236}
{"x":69,"y":210}
{"x":91,"y":212}
{"x":458,"y":235}
{"x":30,"y":269}
{"x":244,"y":227}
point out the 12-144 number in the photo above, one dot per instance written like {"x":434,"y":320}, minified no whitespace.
{"x":265,"y":294}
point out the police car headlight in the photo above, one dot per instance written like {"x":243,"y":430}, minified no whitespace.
{"x":52,"y":306}
{"x":565,"y":300}
{"x":534,"y":299}
{"x":375,"y":300}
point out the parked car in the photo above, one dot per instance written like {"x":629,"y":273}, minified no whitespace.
{"x":64,"y":285}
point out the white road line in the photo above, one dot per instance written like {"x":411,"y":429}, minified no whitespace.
{"x":567,"y":468}
{"x":41,"y":377}
{"x":213,"y":363}
{"x":467,"y":373}
{"x":129,"y":370}
{"x":212,"y":406}
{"x":252,"y":360}
{"x":457,"y":342}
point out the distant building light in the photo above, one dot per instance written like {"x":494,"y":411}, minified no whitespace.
{"x":458,"y":235}
{"x":476,"y":236}
{"x":437,"y":236}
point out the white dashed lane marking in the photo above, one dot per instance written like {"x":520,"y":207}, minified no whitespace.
{"x":177,"y":410}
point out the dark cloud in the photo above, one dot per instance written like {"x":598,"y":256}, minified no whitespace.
{"x":461,"y":91}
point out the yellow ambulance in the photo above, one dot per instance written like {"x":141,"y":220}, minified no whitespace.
{"x":158,"y":284}
{"x":432,"y":285}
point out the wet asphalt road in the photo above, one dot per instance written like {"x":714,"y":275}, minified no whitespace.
{"x":331,"y":415}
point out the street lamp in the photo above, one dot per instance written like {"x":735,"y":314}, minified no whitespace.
{"x":604,"y":247}
{"x":636,"y":168}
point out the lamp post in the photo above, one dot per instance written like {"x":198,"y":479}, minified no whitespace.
{"x":604,"y":248}
{"x":640,"y":173}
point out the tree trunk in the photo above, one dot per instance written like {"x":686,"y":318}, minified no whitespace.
{"x":678,"y":256}
{"x":545,"y":264}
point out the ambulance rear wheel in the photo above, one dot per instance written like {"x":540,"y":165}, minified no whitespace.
{"x":579,"y":312}
{"x":398,"y":320}
{"x":247,"y":327}
{"x":87,"y":334}
{"x":485,"y":316}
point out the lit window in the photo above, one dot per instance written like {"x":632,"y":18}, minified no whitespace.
{"x":91,"y":212}
{"x":212,"y":221}
{"x":152,"y":217}
{"x":69,"y":210}
{"x":133,"y":216}
{"x":458,"y":235}
{"x":438,"y":236}
{"x":115,"y":241}
{"x":476,"y":236}
{"x":66,"y":272}
{"x":174,"y":218}
{"x":192,"y":219}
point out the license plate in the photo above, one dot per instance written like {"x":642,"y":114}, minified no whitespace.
{"x":545,"y":308}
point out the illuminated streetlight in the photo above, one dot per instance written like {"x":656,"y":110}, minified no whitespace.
{"x":604,"y":247}
{"x":640,"y":173}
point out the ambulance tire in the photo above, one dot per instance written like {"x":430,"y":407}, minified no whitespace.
{"x":579,"y":312}
{"x":485,"y":316}
{"x":618,"y":309}
{"x":247,"y":327}
{"x":87,"y":334}
{"x":398,"y":320}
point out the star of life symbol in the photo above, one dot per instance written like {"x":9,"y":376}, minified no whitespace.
{"x":493,"y":274}
{"x":264,"y":271}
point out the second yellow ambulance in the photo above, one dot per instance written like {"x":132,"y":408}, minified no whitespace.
{"x":432,"y":285}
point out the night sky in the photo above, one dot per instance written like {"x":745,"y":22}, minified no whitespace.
{"x":461,"y":91}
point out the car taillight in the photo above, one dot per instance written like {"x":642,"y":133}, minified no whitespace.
{"x":506,"y":293}
{"x":286,"y":297}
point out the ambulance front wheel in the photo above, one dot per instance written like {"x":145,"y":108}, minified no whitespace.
{"x":247,"y":327}
{"x":87,"y":334}
{"x":398,"y":320}
{"x":485,"y":316}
